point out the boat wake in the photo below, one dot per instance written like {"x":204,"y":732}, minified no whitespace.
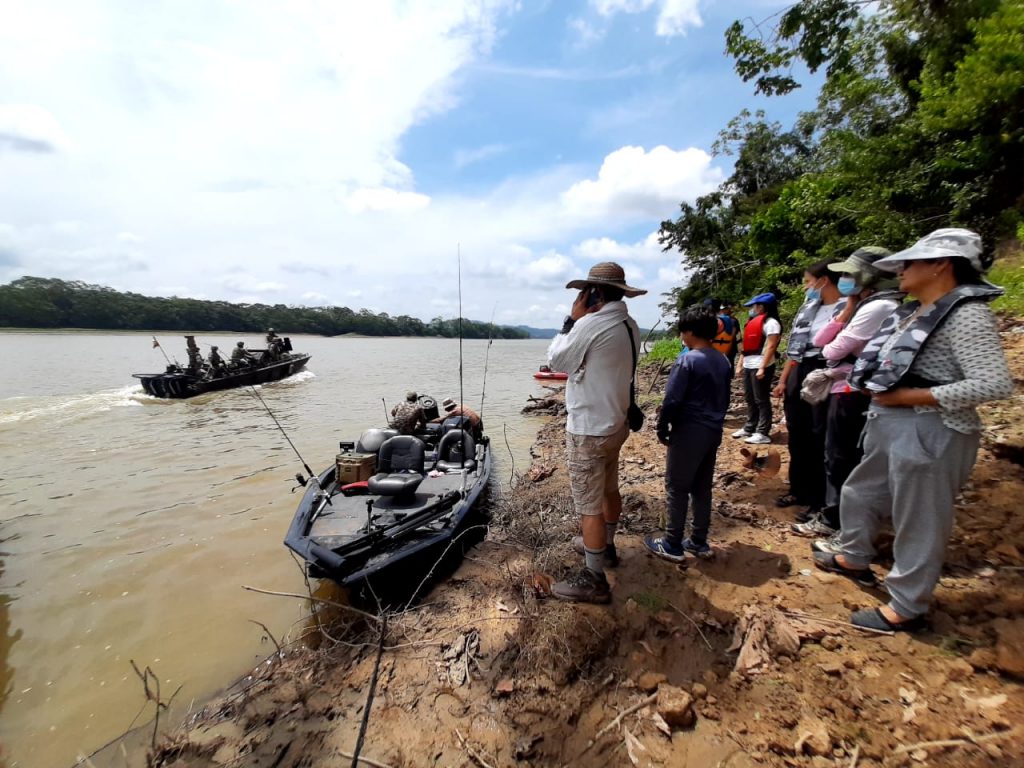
{"x":67,"y":407}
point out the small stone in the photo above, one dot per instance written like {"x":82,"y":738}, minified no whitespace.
{"x":982,"y":658}
{"x":813,"y":736}
{"x":959,"y":669}
{"x":649,"y":681}
{"x":709,"y":677}
{"x":712,"y":699}
{"x":675,"y":706}
{"x":830,"y":642}
{"x":699,"y":690}
{"x":1010,"y":646}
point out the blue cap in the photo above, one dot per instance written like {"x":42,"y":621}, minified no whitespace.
{"x":761,"y":298}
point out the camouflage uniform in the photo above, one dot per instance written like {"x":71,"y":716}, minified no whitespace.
{"x":407,"y":418}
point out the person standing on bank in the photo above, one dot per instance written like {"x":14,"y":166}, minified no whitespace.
{"x":870,"y":298}
{"x":806,"y":423}
{"x":597,"y":346}
{"x":933,"y":361}
{"x":690,"y":425}
{"x":761,"y":337}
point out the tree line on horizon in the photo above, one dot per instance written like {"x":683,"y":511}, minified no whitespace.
{"x":919,"y":124}
{"x":37,"y":302}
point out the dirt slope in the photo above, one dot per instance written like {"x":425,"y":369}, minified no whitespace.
{"x":486,"y":673}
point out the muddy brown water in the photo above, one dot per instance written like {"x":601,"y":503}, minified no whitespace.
{"x":129,"y":524}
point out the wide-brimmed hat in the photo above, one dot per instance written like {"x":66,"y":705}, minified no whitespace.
{"x":861,"y":260}
{"x":448,"y":404}
{"x":950,"y":243}
{"x":761,"y":298}
{"x":607,"y":273}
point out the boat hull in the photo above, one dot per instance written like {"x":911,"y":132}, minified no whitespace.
{"x":183,"y":385}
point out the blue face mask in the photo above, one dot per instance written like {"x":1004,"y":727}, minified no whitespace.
{"x":751,"y":312}
{"x":812,"y":294}
{"x":847,"y":286}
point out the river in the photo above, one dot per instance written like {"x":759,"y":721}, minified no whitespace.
{"x":129,"y":524}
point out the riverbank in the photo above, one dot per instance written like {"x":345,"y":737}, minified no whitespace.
{"x":487,"y":672}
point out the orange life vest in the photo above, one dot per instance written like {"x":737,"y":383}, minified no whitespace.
{"x":725,"y":339}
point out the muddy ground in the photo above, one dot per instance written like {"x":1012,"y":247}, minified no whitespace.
{"x":485,"y":672}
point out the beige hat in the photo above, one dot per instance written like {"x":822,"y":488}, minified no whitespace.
{"x":448,"y":404}
{"x":607,"y":273}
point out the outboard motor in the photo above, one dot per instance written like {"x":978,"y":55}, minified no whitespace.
{"x":429,"y":406}
{"x":286,"y":344}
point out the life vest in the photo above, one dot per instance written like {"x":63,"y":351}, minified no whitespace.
{"x":725,"y":340}
{"x":753,"y":336}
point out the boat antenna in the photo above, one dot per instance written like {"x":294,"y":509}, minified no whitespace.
{"x":305,"y":466}
{"x":487,"y":358}
{"x":157,"y":345}
{"x":462,"y":398}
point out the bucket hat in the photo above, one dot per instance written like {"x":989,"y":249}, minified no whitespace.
{"x":607,"y":273}
{"x":950,"y":243}
{"x":448,"y":404}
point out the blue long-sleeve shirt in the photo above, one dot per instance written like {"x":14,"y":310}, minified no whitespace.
{"x":697,"y":391}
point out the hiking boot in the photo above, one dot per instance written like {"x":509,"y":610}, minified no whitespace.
{"x":666,"y":550}
{"x":829,"y":545}
{"x":742,"y":433}
{"x":583,"y":586}
{"x":758,"y":439}
{"x":816,"y":526}
{"x":703,"y":551}
{"x":611,"y":557}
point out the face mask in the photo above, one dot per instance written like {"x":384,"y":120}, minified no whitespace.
{"x":751,"y":312}
{"x":812,"y":294}
{"x":847,"y":286}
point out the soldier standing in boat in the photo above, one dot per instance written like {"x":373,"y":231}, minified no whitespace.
{"x":216,"y":361}
{"x":195,"y":358}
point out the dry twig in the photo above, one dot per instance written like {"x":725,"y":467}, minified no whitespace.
{"x":972,"y":741}
{"x":472,"y":752}
{"x":695,"y":625}
{"x":618,"y":720}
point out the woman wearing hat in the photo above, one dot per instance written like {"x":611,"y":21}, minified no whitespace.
{"x":870,"y":298}
{"x":761,"y":337}
{"x":933,"y":361}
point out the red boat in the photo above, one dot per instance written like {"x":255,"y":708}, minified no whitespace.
{"x":546,"y":373}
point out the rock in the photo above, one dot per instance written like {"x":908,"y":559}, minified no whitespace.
{"x":813,"y":736}
{"x":648,"y":682}
{"x":959,"y":669}
{"x":676,"y":706}
{"x":830,"y":642}
{"x":1010,"y":646}
{"x":699,"y":690}
{"x":982,"y":658}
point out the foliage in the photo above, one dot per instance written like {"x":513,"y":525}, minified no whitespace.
{"x":664,"y":350}
{"x":35,"y":302}
{"x":919,"y":124}
{"x":1008,"y":273}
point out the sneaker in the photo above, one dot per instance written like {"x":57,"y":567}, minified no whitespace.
{"x":703,"y":551}
{"x":611,"y":557}
{"x":829,"y":545}
{"x":816,"y":526}
{"x":664,"y":549}
{"x":742,"y":433}
{"x":583,"y":586}
{"x":758,"y":439}
{"x":806,"y":515}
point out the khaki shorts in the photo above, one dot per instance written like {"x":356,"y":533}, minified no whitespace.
{"x":593,"y":468}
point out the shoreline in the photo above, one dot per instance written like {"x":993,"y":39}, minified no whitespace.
{"x":542,"y":680}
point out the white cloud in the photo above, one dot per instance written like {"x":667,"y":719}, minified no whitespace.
{"x":464,"y":157}
{"x":584,"y":33}
{"x":315,"y":299}
{"x":606,"y":249}
{"x":30,"y":128}
{"x":634,"y":181}
{"x":128,"y":237}
{"x":674,"y":16}
{"x":384,"y":199}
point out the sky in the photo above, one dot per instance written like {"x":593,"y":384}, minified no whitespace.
{"x":318,"y":152}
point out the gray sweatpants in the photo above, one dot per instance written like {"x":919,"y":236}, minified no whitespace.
{"x":912,"y":470}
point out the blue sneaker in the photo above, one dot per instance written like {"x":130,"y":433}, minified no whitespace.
{"x":664,"y":549}
{"x":702,"y":551}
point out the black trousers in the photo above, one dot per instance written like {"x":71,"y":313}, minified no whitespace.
{"x":847,"y":415}
{"x":758,"y":393}
{"x":806,"y":425}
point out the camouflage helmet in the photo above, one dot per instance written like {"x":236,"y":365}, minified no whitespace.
{"x":213,"y":348}
{"x":240,"y":344}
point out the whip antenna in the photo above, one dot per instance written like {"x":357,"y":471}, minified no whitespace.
{"x":487,"y":358}
{"x":305,"y":466}
{"x":462,"y":398}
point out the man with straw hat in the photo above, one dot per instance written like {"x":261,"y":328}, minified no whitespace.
{"x":597,"y":347}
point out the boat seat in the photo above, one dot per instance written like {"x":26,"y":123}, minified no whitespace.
{"x":456,"y":451}
{"x":372,"y":439}
{"x":454,"y":422}
{"x":400,"y":465}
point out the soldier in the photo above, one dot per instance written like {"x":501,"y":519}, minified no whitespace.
{"x":408,"y":417}
{"x":195,"y":358}
{"x":274,"y":344}
{"x":216,"y":361}
{"x":240,"y":355}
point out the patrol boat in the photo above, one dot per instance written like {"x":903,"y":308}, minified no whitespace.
{"x":393,"y":507}
{"x":179,"y":381}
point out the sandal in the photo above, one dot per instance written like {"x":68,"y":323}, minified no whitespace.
{"x":787,"y":500}
{"x":827,"y":562}
{"x":873,"y":618}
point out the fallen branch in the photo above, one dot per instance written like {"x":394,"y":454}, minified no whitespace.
{"x":269,"y":634}
{"x":618,"y":720}
{"x":334,"y":603}
{"x":695,"y":625}
{"x":472,"y":752}
{"x":973,"y":741}
{"x":837,"y":622}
